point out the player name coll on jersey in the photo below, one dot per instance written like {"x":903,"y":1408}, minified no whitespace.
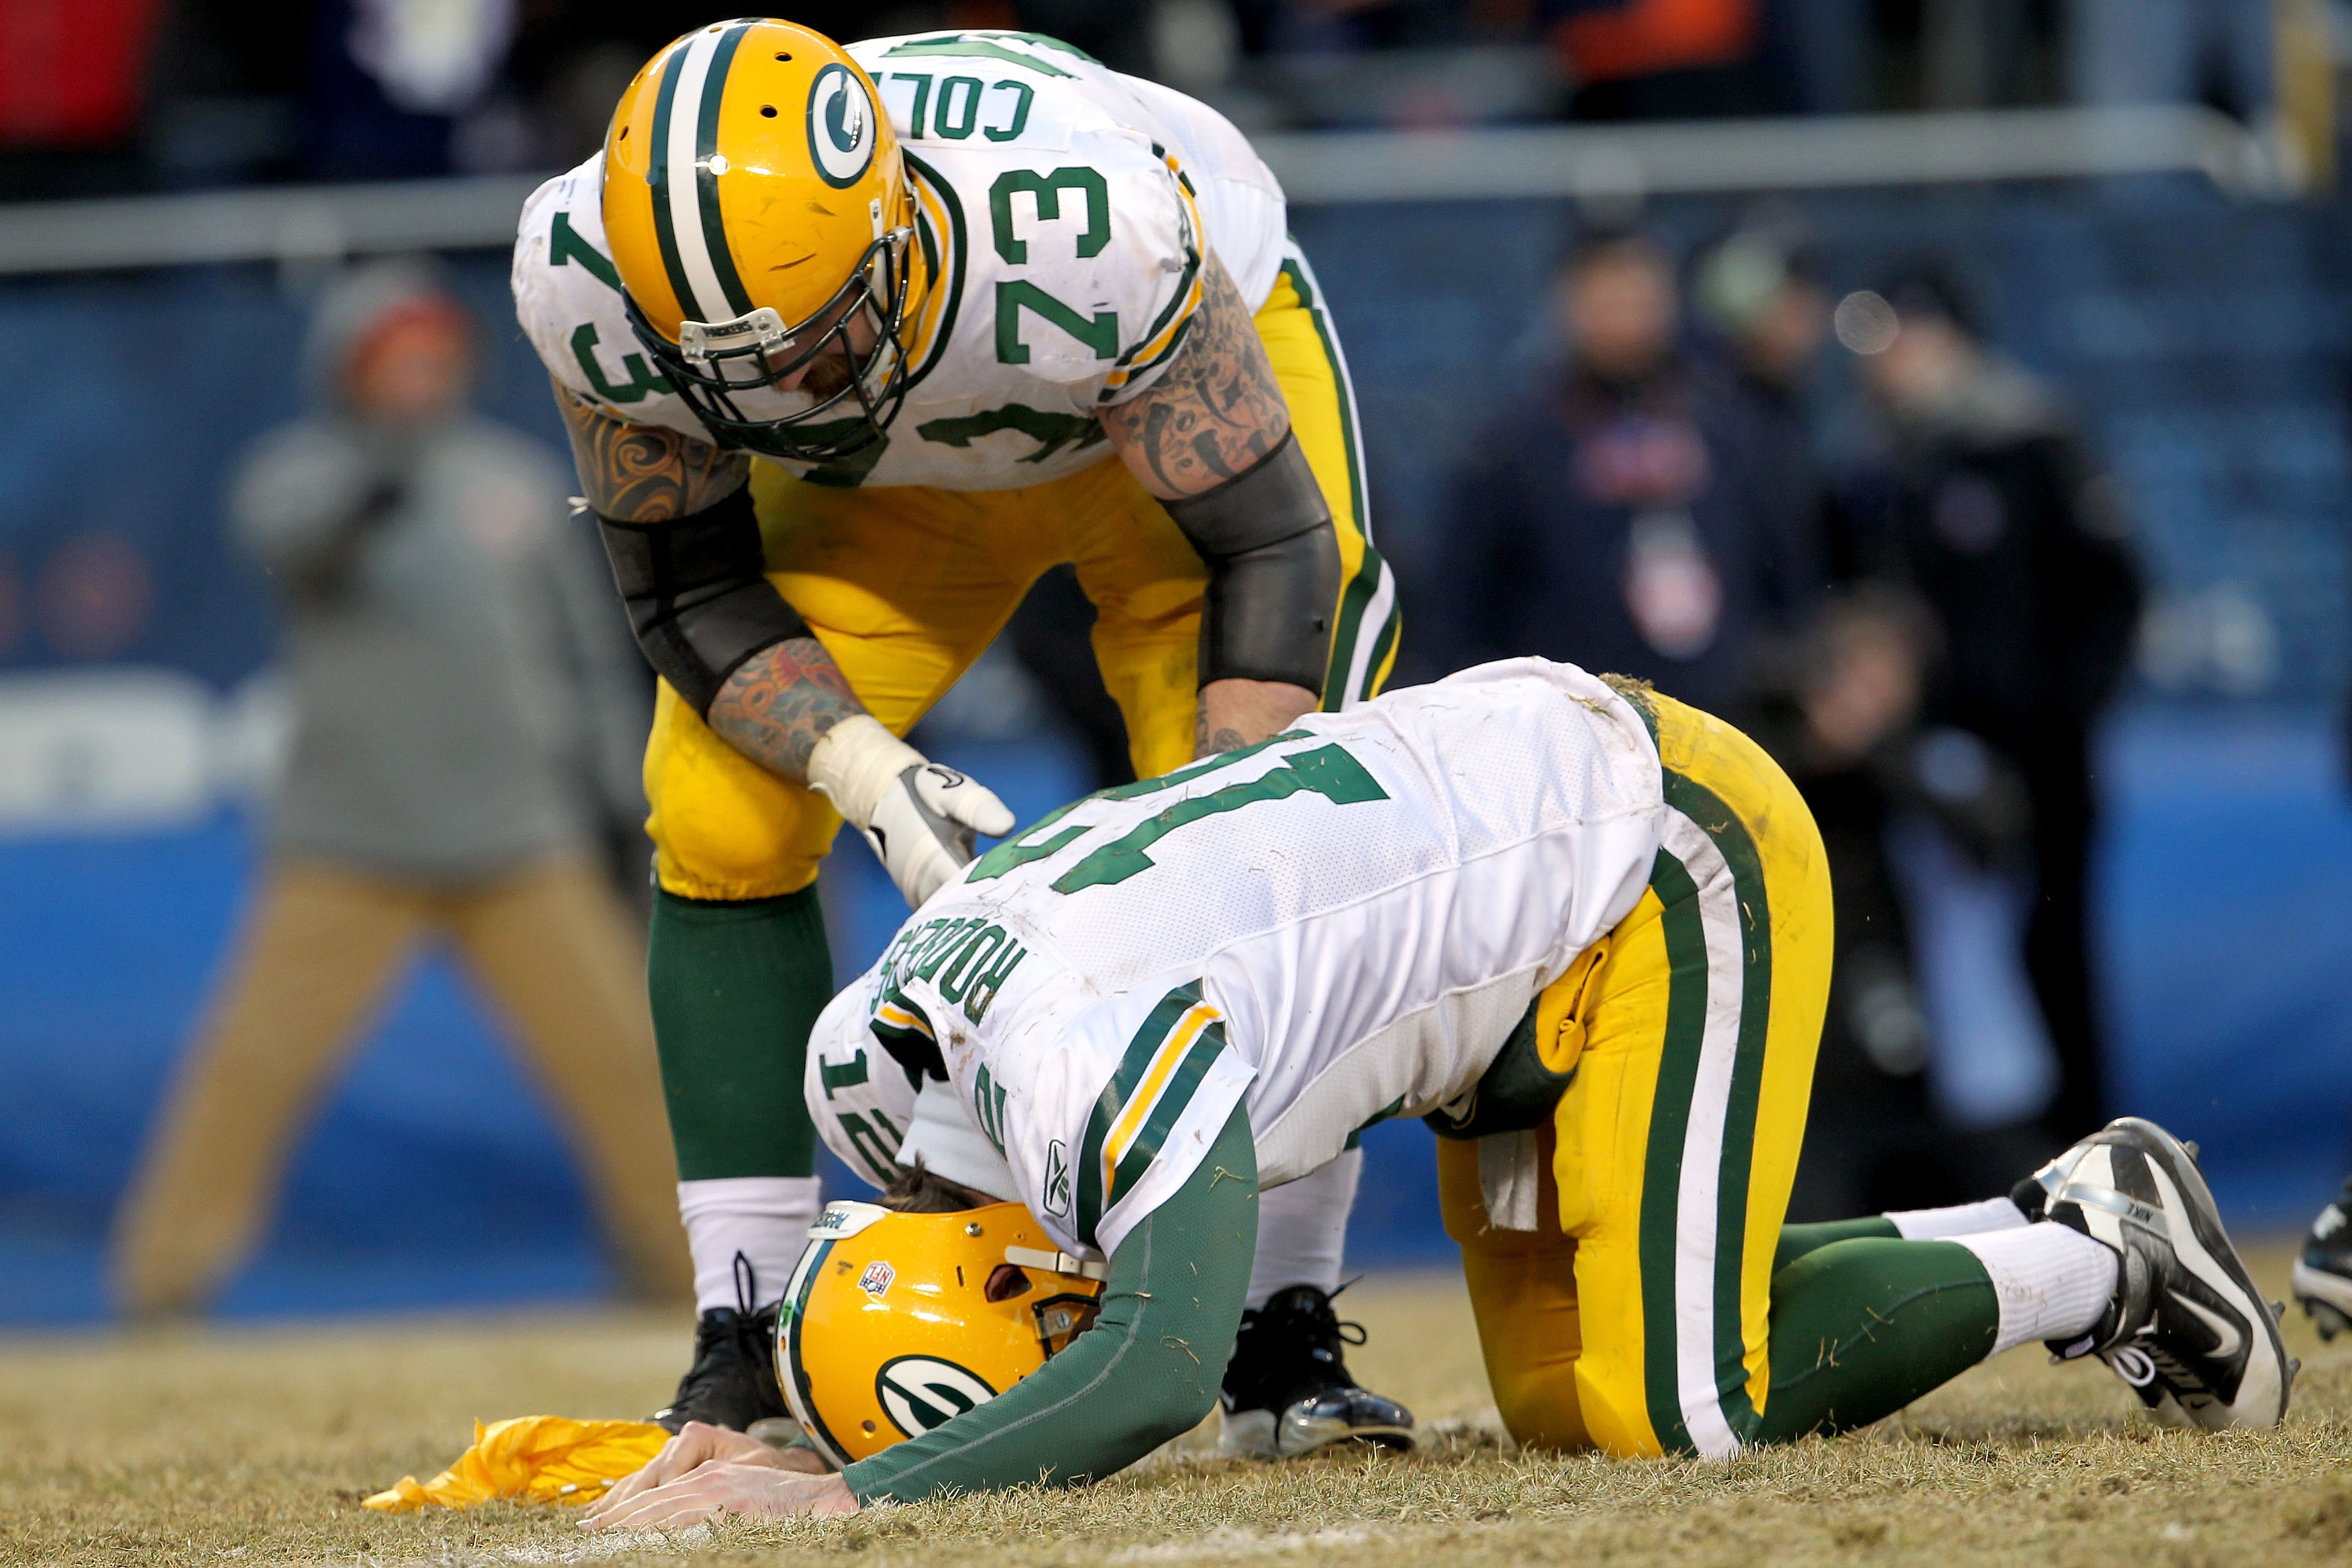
{"x":1341,"y":924}
{"x":1064,"y":212}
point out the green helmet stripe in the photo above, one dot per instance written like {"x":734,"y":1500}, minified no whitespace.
{"x":657,"y":176}
{"x":706,"y":144}
{"x":795,"y":1313}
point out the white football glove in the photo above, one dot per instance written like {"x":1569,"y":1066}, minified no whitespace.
{"x":920,"y":817}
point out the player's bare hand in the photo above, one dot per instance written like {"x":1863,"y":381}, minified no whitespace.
{"x":697,"y":1443}
{"x":801,"y":1461}
{"x":757,"y":1489}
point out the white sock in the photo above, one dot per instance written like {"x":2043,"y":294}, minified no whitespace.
{"x":2052,"y":1281}
{"x":765,"y":1218}
{"x":1961,"y":1220}
{"x":1302,"y":1229}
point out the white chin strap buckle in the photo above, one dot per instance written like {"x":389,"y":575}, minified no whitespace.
{"x":702,"y":341}
{"x":1055,"y":1264}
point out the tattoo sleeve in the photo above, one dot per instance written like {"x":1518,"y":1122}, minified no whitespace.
{"x":642,"y":472}
{"x":779,"y":704}
{"x":1216,"y":411}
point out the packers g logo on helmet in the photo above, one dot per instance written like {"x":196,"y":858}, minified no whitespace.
{"x":840,"y":126}
{"x":921,"y":1392}
{"x":897,"y":1324}
{"x":759,"y":215}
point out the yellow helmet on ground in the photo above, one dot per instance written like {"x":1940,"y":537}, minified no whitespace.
{"x":896,"y":1322}
{"x":759,"y":213}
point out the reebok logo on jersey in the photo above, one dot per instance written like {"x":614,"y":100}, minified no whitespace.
{"x":1058,"y":1180}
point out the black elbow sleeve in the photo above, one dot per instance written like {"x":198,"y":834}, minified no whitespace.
{"x":697,"y":594}
{"x":1273,"y":572}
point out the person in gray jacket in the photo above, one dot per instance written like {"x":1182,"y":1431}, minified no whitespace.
{"x":466,"y":714}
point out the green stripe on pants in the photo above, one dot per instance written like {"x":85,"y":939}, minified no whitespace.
{"x":1732,"y":840}
{"x":1669,"y":1124}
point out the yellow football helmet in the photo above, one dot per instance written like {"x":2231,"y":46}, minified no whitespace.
{"x":896,"y":1322}
{"x":759,"y":211}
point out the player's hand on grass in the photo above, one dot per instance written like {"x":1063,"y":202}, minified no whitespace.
{"x":749,"y":1485}
{"x":922,"y":820}
{"x":697,"y":1443}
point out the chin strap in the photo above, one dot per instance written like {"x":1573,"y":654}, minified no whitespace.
{"x":1055,"y":1264}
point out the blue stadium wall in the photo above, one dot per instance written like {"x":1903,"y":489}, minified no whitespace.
{"x":2207,"y":342}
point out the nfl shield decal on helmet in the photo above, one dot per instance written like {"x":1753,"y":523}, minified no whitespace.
{"x":876,"y":1278}
{"x":921,"y":1392}
{"x":840,"y":126}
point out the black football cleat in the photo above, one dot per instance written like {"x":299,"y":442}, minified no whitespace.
{"x":1288,"y":1391}
{"x":732,"y":1381}
{"x":2186,"y":1327}
{"x":2323,"y":1273}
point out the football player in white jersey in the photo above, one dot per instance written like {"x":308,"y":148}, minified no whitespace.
{"x":853,"y":345}
{"x":1584,"y":931}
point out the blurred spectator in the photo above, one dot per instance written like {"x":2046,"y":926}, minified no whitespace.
{"x":1993,"y":511}
{"x":1833,"y":711}
{"x":1761,"y":289}
{"x":1626,"y":517}
{"x":466,"y":715}
{"x":1759,"y":292}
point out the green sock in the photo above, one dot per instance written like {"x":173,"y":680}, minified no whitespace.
{"x":1862,"y":1327}
{"x":735,"y":988}
{"x":1796,"y":1240}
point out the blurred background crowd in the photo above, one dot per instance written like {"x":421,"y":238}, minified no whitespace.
{"x":2002,"y":492}
{"x":117,"y":95}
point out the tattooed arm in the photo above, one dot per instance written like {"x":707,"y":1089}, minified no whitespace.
{"x":1217,"y":411}
{"x":783,"y":700}
{"x":642,"y":472}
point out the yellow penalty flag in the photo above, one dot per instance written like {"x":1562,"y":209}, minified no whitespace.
{"x":533,"y":1458}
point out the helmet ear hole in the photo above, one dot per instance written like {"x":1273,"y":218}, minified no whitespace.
{"x":1004,"y":1283}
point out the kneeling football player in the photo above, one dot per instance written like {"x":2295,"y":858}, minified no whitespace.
{"x":1584,"y":931}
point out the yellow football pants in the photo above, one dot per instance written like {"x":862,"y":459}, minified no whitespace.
{"x":1633,"y":1318}
{"x":907,"y":585}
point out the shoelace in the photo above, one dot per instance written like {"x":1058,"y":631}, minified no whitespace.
{"x":1314,"y":1319}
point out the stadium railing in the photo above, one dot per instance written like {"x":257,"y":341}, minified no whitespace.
{"x":298,"y":224}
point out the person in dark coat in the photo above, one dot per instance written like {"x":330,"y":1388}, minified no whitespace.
{"x":1629,"y":517}
{"x":1993,"y":510}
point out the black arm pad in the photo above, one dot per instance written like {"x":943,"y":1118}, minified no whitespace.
{"x":698,"y":596}
{"x":1273,"y":572}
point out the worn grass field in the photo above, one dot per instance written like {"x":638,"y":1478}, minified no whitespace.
{"x":253,"y":1447}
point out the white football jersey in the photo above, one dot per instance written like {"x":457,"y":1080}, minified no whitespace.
{"x":1065,"y":210}
{"x":1337,"y":926}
